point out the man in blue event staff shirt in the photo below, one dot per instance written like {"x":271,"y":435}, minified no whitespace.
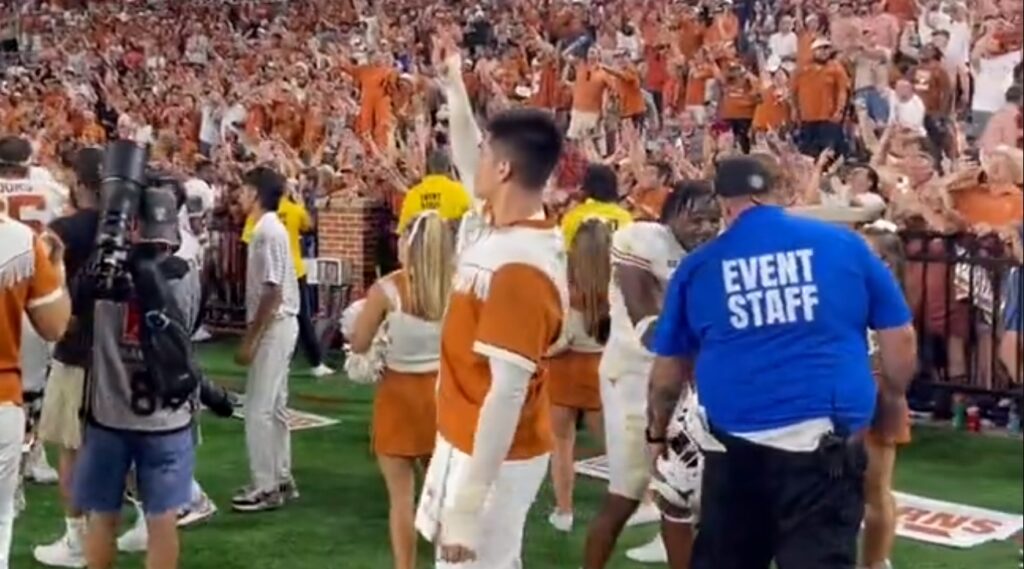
{"x":771,"y":318}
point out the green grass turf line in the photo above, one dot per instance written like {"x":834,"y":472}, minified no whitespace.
{"x":341,"y":520}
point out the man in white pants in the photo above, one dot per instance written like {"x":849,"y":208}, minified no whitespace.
{"x":32,"y":284}
{"x":644,"y":256}
{"x":272,"y":304}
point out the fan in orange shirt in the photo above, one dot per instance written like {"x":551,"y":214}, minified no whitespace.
{"x":725,"y":27}
{"x":313,"y":129}
{"x":92,"y":133}
{"x":545,"y":94}
{"x":376,"y":84}
{"x":698,"y":73}
{"x":589,"y":87}
{"x":674,"y":94}
{"x":650,"y":192}
{"x":773,"y":110}
{"x":628,"y":89}
{"x":738,"y":100}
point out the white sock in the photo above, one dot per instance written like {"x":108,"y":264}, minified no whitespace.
{"x":197,"y":491}
{"x":76,"y":529}
{"x":140,"y":515}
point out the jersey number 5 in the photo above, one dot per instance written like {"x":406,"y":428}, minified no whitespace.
{"x":27,"y":208}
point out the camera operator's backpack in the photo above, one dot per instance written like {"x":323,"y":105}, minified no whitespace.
{"x":164,"y":336}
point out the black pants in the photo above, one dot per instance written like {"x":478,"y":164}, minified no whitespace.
{"x":741,"y":131}
{"x":307,"y":333}
{"x":802,"y":510}
{"x":817,"y":136}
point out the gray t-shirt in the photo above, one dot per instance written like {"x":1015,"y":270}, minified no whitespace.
{"x":116,"y":355}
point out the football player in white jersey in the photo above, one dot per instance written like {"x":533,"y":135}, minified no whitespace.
{"x":644,"y":256}
{"x":33,"y":197}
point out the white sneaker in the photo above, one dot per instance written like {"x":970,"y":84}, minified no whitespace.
{"x":321,"y":371}
{"x":652,"y":552}
{"x":65,"y":552}
{"x":201,"y":335}
{"x":647,"y":513}
{"x":561,"y":522}
{"x":197,"y":512}
{"x":38,"y":469}
{"x":134,"y":540}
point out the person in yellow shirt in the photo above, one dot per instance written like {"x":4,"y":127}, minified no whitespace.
{"x":435,"y":192}
{"x":297,"y":221}
{"x":601,"y":188}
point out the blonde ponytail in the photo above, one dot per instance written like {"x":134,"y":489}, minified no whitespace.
{"x":429,"y":265}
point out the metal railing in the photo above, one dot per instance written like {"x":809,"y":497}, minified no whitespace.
{"x":225,"y":277}
{"x":956,"y":287}
{"x":224,"y":282}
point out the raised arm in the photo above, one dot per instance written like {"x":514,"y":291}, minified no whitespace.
{"x":465,"y":133}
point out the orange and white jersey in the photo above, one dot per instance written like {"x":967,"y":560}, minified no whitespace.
{"x":35,"y":200}
{"x":650,"y":247}
{"x":509,"y":302}
{"x":27,"y":279}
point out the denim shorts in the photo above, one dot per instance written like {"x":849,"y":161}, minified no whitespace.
{"x":163,"y":463}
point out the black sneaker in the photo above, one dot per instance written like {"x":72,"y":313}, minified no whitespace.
{"x":289,"y":490}
{"x":258,"y":501}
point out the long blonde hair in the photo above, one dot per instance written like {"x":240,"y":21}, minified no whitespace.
{"x":429,"y":265}
{"x":590,"y":271}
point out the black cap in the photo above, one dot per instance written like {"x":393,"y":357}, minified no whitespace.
{"x":88,"y":165}
{"x":742,"y":176}
{"x":15,"y":151}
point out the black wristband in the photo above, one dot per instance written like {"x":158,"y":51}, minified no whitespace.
{"x":652,"y":439}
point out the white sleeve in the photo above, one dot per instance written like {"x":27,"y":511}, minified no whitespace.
{"x":499,"y":417}
{"x":465,"y":134}
{"x":625,"y":249}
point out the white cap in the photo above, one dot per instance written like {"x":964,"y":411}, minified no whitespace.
{"x":821,"y":42}
{"x":196,"y":188}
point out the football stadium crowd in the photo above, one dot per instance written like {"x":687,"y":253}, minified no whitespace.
{"x":722,"y":236}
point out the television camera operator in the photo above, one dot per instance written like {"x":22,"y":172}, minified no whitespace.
{"x":144,"y":387}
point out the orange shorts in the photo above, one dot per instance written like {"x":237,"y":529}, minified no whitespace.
{"x":405,"y":414}
{"x":573,"y":381}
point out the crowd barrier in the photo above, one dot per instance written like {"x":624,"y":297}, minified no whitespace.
{"x":955,"y":285}
{"x":224,"y":286}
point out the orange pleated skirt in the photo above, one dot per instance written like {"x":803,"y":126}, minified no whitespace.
{"x":405,"y":414}
{"x":573,"y":380}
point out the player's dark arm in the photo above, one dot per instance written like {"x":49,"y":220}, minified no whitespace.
{"x":642,"y":295}
{"x":670,"y":381}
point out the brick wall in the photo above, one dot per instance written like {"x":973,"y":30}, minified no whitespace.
{"x":351,"y":230}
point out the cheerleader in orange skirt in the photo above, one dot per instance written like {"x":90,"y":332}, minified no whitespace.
{"x":410,"y":302}
{"x":573,"y":386}
{"x":879,"y":502}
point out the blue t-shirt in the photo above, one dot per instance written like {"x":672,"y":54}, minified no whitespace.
{"x":776,"y":311}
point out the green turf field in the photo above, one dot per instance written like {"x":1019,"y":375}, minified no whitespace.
{"x":341,"y":520}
